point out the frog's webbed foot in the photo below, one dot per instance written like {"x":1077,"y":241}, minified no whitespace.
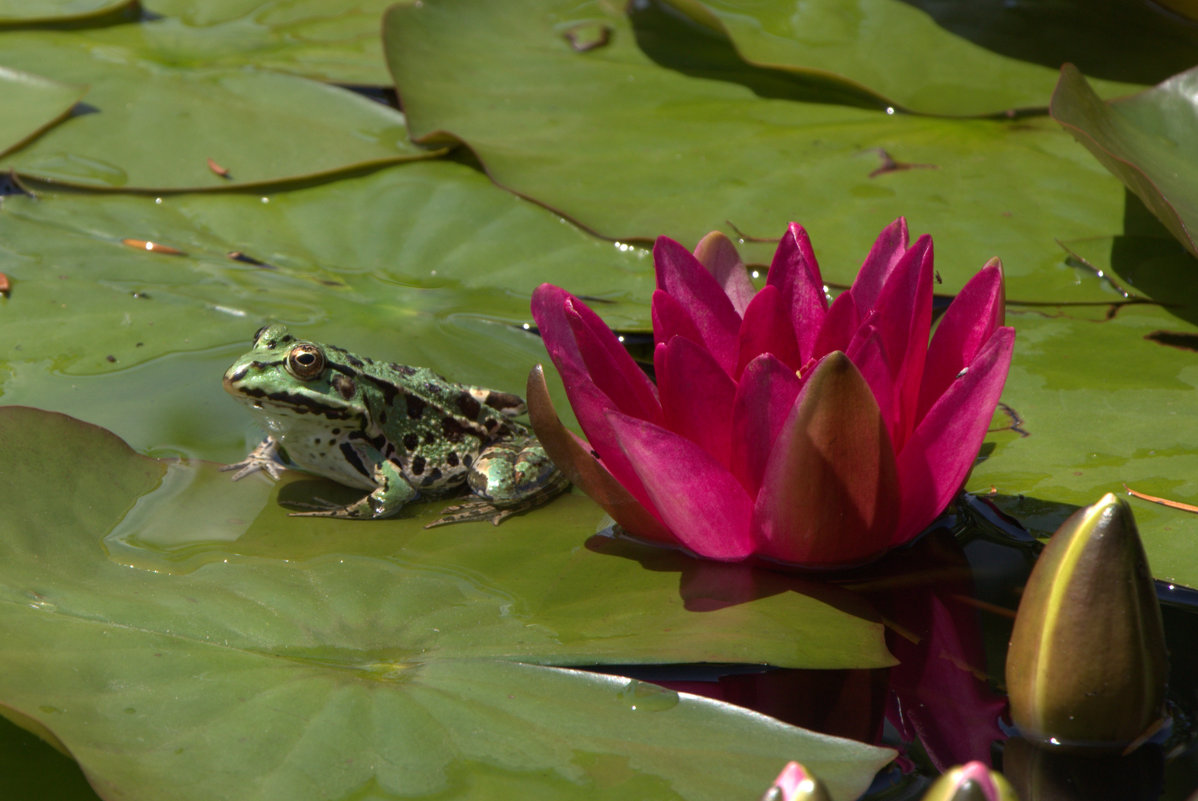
{"x":391,"y":494}
{"x":476,"y":508}
{"x":359,"y":510}
{"x":264,"y":458}
{"x":471,"y":510}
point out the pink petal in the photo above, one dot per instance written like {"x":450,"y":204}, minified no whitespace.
{"x":610,"y":367}
{"x":795,"y":271}
{"x":885,"y":254}
{"x":717,"y":253}
{"x":671,"y":320}
{"x":696,"y":396}
{"x":840,"y":324}
{"x":698,"y":499}
{"x":941,"y":450}
{"x":904,"y":320}
{"x":830,"y":495}
{"x":767,"y":329}
{"x":562,"y":320}
{"x":574,"y":458}
{"x":764,"y":397}
{"x":869,"y":356}
{"x":971,"y":318}
{"x":686,"y":280}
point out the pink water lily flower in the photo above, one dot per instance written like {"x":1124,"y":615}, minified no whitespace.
{"x":781,"y":427}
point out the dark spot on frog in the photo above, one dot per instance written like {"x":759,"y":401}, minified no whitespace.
{"x":431,"y":478}
{"x":430,"y":438}
{"x":379,"y":443}
{"x":403,"y":369}
{"x":502,"y":401}
{"x":453,"y":430}
{"x":467,"y":459}
{"x":469,"y":406}
{"x":451,"y":459}
{"x":345,"y":386}
{"x":491,"y":424}
{"x":351,"y":456}
{"x":411,"y":441}
{"x":336,"y":431}
{"x":417,"y":465}
{"x":415,"y":406}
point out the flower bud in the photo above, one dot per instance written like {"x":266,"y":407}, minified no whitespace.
{"x":1086,"y":665}
{"x":972,"y":781}
{"x":795,"y":783}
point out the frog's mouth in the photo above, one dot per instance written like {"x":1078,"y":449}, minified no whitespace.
{"x":291,"y":404}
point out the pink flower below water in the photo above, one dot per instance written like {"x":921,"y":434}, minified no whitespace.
{"x":781,"y":427}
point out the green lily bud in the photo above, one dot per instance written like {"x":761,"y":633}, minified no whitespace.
{"x":972,"y":781}
{"x":1086,"y":665}
{"x":795,"y":783}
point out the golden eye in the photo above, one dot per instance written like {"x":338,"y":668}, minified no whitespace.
{"x":305,"y":361}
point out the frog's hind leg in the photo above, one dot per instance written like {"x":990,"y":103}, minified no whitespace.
{"x":507,"y":478}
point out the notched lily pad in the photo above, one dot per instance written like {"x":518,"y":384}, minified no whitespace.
{"x":331,"y":656}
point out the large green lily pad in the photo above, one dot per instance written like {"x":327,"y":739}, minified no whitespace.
{"x":984,"y":57}
{"x":1144,"y":140}
{"x":661,"y":132}
{"x":193,"y":127}
{"x":274,"y":657}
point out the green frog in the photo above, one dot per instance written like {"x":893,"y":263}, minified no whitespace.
{"x":401,"y":432}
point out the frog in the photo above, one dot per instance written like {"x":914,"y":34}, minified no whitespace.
{"x":402,"y":432}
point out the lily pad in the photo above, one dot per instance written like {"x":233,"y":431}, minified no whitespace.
{"x":956,"y":60}
{"x":32,"y":105}
{"x":1144,"y":140}
{"x":335,"y":40}
{"x":26,"y":12}
{"x":661,"y":132}
{"x":193,"y":127}
{"x":391,"y":661}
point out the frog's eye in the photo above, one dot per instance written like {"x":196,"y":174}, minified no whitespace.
{"x":305,"y":361}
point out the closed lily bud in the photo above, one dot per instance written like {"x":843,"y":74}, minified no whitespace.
{"x":795,"y":783}
{"x":1087,"y":663}
{"x":973,"y":781}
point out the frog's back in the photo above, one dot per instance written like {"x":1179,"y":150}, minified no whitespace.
{"x":419,"y":399}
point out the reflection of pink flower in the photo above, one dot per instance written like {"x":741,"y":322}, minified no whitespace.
{"x":780,"y":426}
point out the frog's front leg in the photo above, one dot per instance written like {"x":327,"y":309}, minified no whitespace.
{"x":265,"y":458}
{"x":508,"y":478}
{"x":387,"y":498}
